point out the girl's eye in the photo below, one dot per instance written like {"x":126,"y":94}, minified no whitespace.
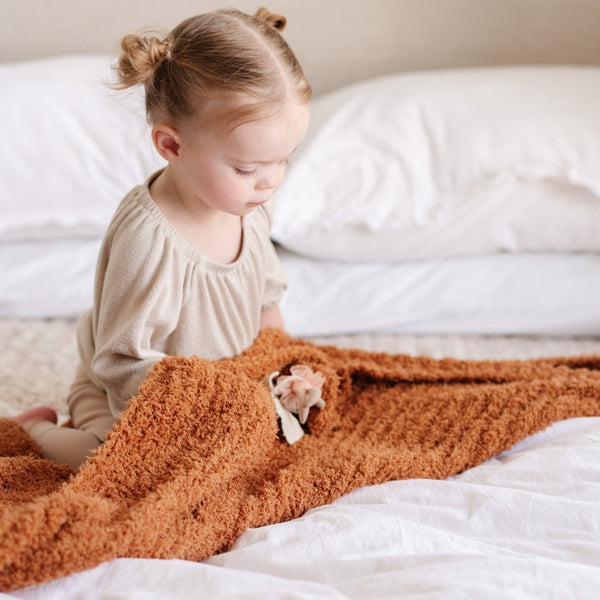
{"x":244,"y":173}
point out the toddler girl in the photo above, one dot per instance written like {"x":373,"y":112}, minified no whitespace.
{"x":187,"y":266}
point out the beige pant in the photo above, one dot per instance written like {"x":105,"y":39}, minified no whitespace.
{"x":91,"y":417}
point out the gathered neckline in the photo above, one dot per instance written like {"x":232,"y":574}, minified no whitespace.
{"x":144,"y":198}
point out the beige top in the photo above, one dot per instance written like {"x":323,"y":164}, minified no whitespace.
{"x":156,"y":295}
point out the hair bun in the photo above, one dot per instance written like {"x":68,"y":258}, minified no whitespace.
{"x":140,"y":55}
{"x":273,"y":20}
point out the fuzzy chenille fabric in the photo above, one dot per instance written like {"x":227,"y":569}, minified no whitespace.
{"x":196,"y":458}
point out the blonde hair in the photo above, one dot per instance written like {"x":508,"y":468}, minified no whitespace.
{"x":212,"y":58}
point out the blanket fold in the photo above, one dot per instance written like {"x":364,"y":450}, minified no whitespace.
{"x":196,"y":458}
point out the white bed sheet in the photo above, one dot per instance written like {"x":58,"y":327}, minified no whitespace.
{"x":526,"y":294}
{"x":521,"y":294}
{"x":525,"y":525}
{"x":47,"y":279}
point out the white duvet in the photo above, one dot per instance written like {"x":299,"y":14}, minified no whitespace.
{"x":526,"y":294}
{"x":525,"y":525}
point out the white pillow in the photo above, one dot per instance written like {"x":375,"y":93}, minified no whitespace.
{"x":441,"y":163}
{"x":72,"y":147}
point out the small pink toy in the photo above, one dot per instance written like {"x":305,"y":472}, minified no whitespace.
{"x":299,"y":391}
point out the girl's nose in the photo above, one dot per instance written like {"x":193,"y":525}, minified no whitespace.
{"x":271,"y":177}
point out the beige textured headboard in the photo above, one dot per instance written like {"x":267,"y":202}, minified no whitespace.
{"x":338,"y":41}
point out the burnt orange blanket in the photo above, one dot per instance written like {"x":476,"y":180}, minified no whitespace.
{"x":196,"y":457}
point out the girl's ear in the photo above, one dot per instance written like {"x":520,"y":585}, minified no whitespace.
{"x":167,"y":142}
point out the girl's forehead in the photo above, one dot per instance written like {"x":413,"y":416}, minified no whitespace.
{"x":271,"y":138}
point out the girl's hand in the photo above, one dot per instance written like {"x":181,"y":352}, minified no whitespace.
{"x":271,"y":317}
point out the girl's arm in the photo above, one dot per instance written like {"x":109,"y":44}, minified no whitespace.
{"x":271,"y":317}
{"x":136,"y":308}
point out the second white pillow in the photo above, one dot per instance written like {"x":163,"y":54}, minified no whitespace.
{"x":447,"y":163}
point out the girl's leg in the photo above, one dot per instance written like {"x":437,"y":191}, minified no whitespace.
{"x":40,"y":413}
{"x":62,"y":445}
{"x":90,"y":416}
{"x":88,"y":406}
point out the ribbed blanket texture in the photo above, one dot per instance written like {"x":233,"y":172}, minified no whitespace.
{"x":196,"y":458}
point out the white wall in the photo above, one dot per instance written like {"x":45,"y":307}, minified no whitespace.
{"x":337,"y":40}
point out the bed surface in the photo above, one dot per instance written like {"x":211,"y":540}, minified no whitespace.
{"x":522,"y":525}
{"x":489,"y":533}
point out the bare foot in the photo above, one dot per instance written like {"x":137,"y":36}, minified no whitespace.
{"x":35,"y":415}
